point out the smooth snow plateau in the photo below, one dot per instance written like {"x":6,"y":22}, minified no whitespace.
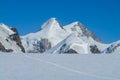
{"x":59,"y":67}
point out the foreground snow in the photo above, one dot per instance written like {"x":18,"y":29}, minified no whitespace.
{"x":59,"y":67}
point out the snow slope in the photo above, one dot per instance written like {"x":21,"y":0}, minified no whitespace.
{"x":50,"y":30}
{"x":81,"y":31}
{"x":55,"y":38}
{"x":52,"y":34}
{"x":71,"y":42}
{"x":113,"y":47}
{"x":59,"y":67}
{"x":5,"y":38}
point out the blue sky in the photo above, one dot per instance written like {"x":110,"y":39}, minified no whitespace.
{"x":102,"y":17}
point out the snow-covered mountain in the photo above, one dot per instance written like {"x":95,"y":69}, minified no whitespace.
{"x":113,"y":48}
{"x":71,"y":44}
{"x":9,"y":39}
{"x":81,"y":31}
{"x":51,"y":33}
{"x":53,"y":37}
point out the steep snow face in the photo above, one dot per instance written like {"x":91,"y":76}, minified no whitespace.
{"x":6,"y":41}
{"x":113,"y":48}
{"x":53,"y":31}
{"x":71,"y":44}
{"x":50,"y":30}
{"x":81,"y":31}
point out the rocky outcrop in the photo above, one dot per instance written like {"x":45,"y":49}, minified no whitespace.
{"x":94,"y":49}
{"x":9,"y":39}
{"x":71,"y":51}
{"x":87,"y":32}
{"x":41,"y":46}
{"x":2,"y":48}
{"x":64,"y":50}
{"x":16,"y":38}
{"x":115,"y":47}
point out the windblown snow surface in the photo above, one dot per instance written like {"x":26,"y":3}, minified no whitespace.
{"x":59,"y":66}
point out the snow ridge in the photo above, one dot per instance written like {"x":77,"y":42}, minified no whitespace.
{"x":54,"y":34}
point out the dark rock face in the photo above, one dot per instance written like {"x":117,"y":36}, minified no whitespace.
{"x":42,"y":46}
{"x":87,"y":32}
{"x":62,"y":48}
{"x":94,"y":49}
{"x":67,"y":51}
{"x":2,"y":48}
{"x":112,"y":48}
{"x":16,"y":38}
{"x":71,"y":51}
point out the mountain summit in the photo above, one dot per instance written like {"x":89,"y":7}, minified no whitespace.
{"x":80,"y":30}
{"x":53,"y":34}
{"x":54,"y":38}
{"x":51,"y":23}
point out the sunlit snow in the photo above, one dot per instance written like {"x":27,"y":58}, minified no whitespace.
{"x":59,"y":67}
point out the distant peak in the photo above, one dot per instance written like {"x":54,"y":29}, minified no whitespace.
{"x":53,"y":19}
{"x":4,"y":25}
{"x":51,"y":22}
{"x":76,"y":22}
{"x":6,"y":28}
{"x":1,"y":24}
{"x":81,"y":29}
